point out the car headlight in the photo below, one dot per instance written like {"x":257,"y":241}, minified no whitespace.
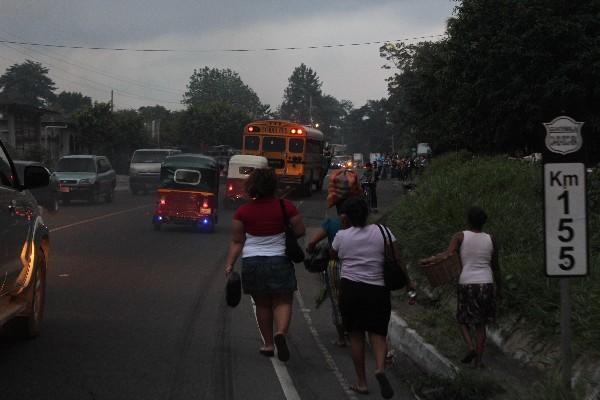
{"x":86,"y":181}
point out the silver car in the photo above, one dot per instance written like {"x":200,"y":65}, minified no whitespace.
{"x":85,"y":177}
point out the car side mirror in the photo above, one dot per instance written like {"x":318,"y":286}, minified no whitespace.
{"x":35,"y":176}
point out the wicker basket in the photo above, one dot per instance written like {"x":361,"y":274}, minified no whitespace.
{"x":441,"y":269}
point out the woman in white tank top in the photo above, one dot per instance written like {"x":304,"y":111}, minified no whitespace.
{"x":479,"y":283}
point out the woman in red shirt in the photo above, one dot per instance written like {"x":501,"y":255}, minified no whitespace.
{"x":267,"y":273}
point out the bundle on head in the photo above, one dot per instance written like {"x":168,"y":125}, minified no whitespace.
{"x":342,"y":185}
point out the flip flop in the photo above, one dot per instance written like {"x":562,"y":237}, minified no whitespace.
{"x":469,"y":357}
{"x":386,"y":389}
{"x":358,"y":390}
{"x":283,"y":353}
{"x":267,"y":352}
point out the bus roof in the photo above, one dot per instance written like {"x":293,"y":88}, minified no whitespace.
{"x":283,"y":127}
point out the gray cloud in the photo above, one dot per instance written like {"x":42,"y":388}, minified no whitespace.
{"x":351,"y":73}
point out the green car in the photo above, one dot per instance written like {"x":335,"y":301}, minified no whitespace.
{"x":85,"y":177}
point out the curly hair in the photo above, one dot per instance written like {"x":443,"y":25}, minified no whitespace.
{"x":261,"y":183}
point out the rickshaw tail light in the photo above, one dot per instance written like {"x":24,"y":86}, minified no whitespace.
{"x":205,"y":204}
{"x":163,"y":202}
{"x":230,"y":188}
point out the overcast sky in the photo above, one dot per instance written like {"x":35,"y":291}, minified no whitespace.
{"x":197,"y":28}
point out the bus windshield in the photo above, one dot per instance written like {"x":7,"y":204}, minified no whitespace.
{"x":273,"y":144}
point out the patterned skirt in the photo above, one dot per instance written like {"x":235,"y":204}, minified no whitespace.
{"x":476,"y":304}
{"x":331,"y":278}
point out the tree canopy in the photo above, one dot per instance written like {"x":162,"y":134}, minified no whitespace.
{"x":213,"y":85}
{"x":71,"y":102}
{"x":505,"y":67}
{"x":304,"y":102}
{"x":27,"y":83}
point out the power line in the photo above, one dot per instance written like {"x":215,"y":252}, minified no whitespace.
{"x":90,"y":68}
{"x":223,"y":50}
{"x":93,"y":83}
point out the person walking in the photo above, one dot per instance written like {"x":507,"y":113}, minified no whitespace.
{"x":268,"y":275}
{"x":331,"y":276}
{"x":478,"y":285}
{"x":364,"y":300}
{"x":369,"y":181}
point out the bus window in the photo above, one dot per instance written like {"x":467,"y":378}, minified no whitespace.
{"x":251,"y":142}
{"x":273,"y":144}
{"x":296,"y":146}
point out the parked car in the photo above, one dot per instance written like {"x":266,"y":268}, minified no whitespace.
{"x":47,"y":196}
{"x":144,"y":169}
{"x":85,"y":177}
{"x":24,"y":248}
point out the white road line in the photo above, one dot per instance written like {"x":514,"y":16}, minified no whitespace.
{"x":285,"y":380}
{"x":101,"y":217}
{"x":328,"y":357}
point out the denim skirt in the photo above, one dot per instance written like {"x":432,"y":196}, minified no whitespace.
{"x":268,"y":275}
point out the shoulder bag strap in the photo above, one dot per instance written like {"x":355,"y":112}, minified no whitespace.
{"x":286,"y":220}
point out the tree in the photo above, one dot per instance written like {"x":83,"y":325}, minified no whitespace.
{"x":212,"y":124}
{"x":114,"y":134}
{"x":506,"y":66}
{"x":302,"y":96}
{"x":27,"y":83}
{"x":69,"y":103}
{"x":213,"y":85}
{"x":368,"y":129}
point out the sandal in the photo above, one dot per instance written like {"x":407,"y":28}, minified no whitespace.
{"x":384,"y":385}
{"x":267,"y":352}
{"x":469,"y":357}
{"x":357,"y":389}
{"x":283,"y":353}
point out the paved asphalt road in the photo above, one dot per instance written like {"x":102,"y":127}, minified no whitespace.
{"x":136,"y":314}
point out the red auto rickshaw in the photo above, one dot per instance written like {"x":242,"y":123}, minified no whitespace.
{"x":240,"y":166}
{"x":188,"y":192}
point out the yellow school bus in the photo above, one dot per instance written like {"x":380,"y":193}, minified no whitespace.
{"x":294,"y":150}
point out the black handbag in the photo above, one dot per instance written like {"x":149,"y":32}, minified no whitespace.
{"x":292,"y":248}
{"x":233,"y":289}
{"x":318,"y":260}
{"x":393,"y":276}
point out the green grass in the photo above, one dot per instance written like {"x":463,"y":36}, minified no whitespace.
{"x":511,"y":193}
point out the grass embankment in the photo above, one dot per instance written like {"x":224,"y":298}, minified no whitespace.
{"x":511,"y":193}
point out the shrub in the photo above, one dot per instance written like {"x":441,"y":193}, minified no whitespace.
{"x":511,"y":194}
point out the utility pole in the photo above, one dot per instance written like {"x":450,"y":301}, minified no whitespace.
{"x":112,"y":101}
{"x":158,"y":132}
{"x":310,"y":109}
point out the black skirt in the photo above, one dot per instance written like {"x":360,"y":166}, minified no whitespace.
{"x":365,"y":307}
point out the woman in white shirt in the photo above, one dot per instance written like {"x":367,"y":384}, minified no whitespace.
{"x":479,"y":283}
{"x":364,"y":300}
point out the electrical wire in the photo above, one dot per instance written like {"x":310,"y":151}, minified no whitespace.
{"x":223,"y":50}
{"x":91,"y":83}
{"x":90,"y":68}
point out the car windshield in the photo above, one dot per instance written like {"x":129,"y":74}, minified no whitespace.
{"x":149,"y":156}
{"x":76,"y":165}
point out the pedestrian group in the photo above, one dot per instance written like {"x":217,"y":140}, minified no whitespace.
{"x":354,"y":275}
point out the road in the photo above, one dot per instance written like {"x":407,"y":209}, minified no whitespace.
{"x":132,"y":313}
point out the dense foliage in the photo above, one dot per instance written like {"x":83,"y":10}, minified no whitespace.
{"x":213,"y":85}
{"x":505,"y":67}
{"x":27,"y":83}
{"x":305,"y":102}
{"x":511,"y":193}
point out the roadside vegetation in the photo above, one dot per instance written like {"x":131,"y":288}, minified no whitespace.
{"x":511,"y":193}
